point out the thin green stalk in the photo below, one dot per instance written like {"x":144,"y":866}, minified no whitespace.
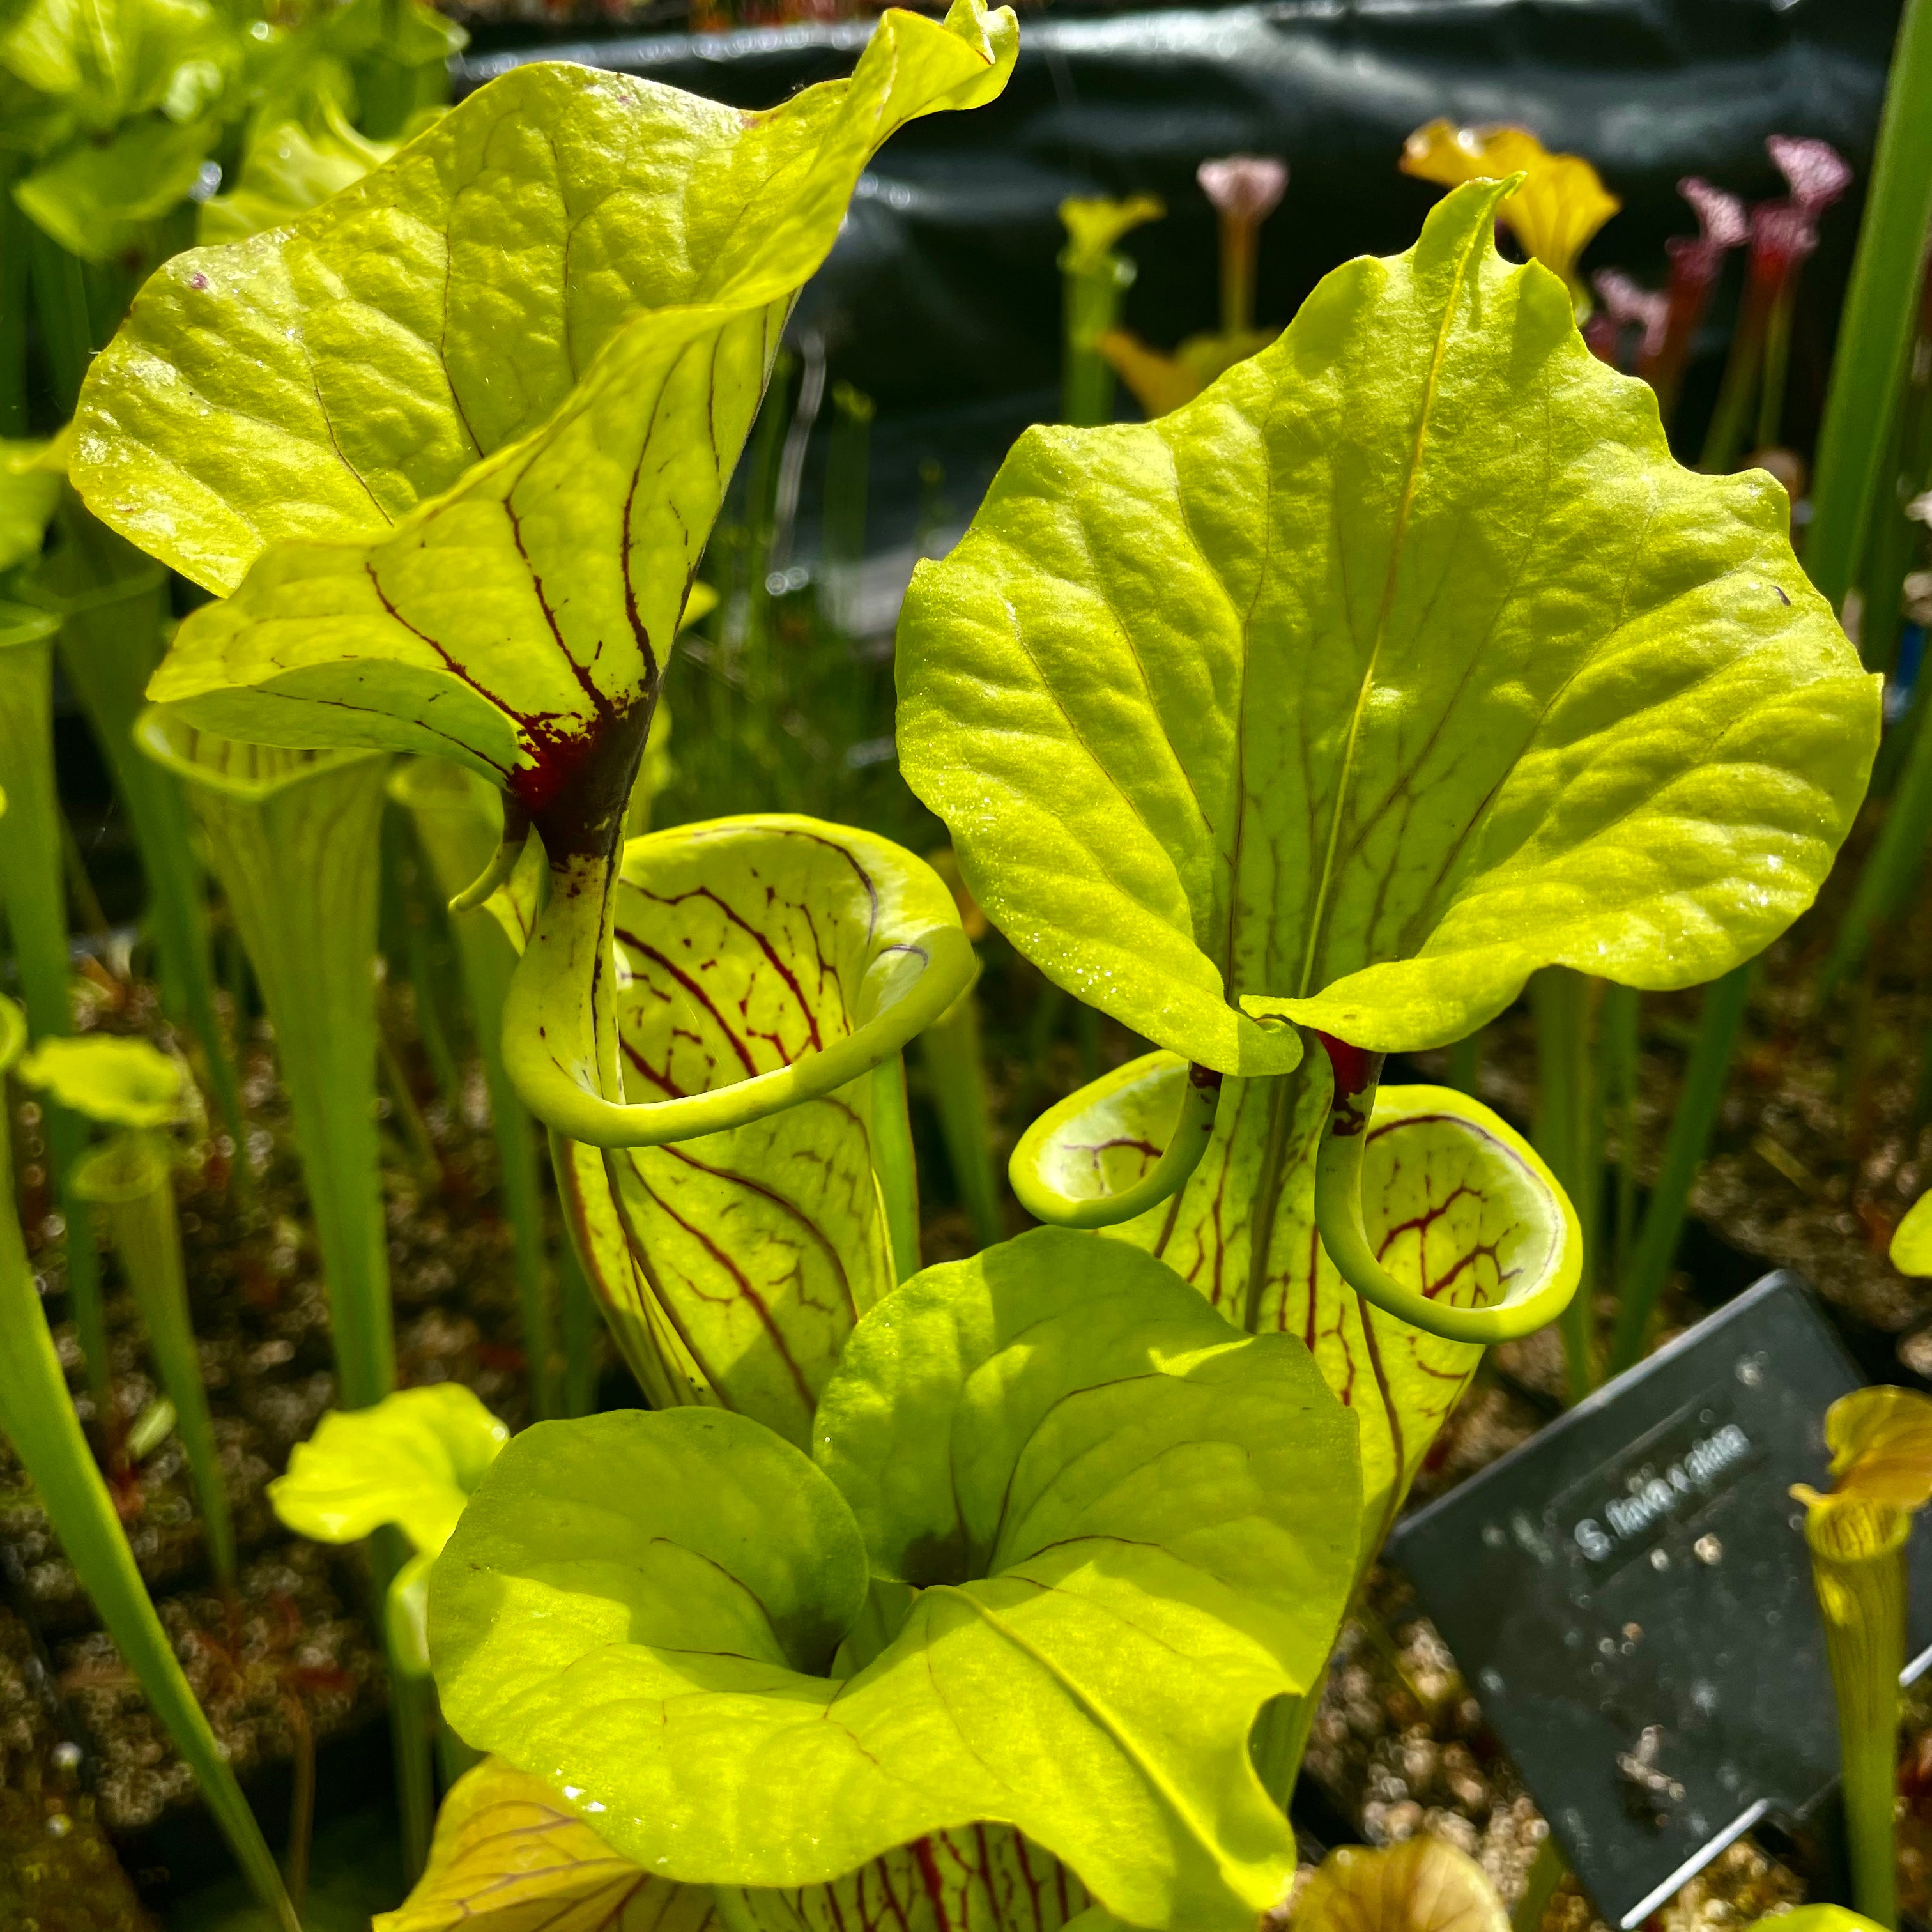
{"x":32,"y":895}
{"x":957,"y":1078}
{"x":295,"y":837}
{"x":1092,"y":302}
{"x":40,"y":1420}
{"x":413,"y":1708}
{"x":110,"y":642}
{"x":1723,"y":441}
{"x":31,"y":883}
{"x":413,"y":1129}
{"x":1895,"y":542}
{"x":1858,"y":1568}
{"x":453,"y":1757}
{"x":457,"y":825}
{"x":1275,"y":1170}
{"x":132,"y":1178}
{"x":1777,"y":364}
{"x":412,"y":1716}
{"x":1684,"y":1150}
{"x":1881,"y":306}
{"x":81,"y":894}
{"x":1894,"y":748}
{"x":302,"y":1801}
{"x":406,"y":939}
{"x":894,"y":1163}
{"x":1465,"y":1059}
{"x":1891,"y":871}
{"x":1566,"y":1108}
{"x":1618,"y":1058}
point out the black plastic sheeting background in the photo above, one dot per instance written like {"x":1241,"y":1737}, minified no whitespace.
{"x":942,"y":299}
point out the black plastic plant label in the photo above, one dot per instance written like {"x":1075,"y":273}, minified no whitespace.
{"x":1629,"y":1595}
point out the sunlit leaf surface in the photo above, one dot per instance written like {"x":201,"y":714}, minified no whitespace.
{"x":1130,"y":1526}
{"x":452,"y":442}
{"x":1404,"y":661}
{"x":412,"y":1459}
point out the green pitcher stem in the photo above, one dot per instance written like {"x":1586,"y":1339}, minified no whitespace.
{"x":669,"y":1284}
{"x":1741,"y":385}
{"x":1092,"y":298}
{"x":1292,"y":1133}
{"x":1858,"y":1568}
{"x":1777,"y":364}
{"x":300,"y":879}
{"x":1569,"y":1136}
{"x":132,"y":1179}
{"x":40,"y":1420}
{"x":1891,"y":871}
{"x":296,"y":855}
{"x":32,"y":890}
{"x":1617,"y":1055}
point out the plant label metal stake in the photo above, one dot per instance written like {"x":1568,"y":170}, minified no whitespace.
{"x":1629,"y":1595}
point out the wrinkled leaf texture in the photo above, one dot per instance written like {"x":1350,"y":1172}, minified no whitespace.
{"x":1403,"y":662}
{"x":451,"y":444}
{"x":1131,"y":1527}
